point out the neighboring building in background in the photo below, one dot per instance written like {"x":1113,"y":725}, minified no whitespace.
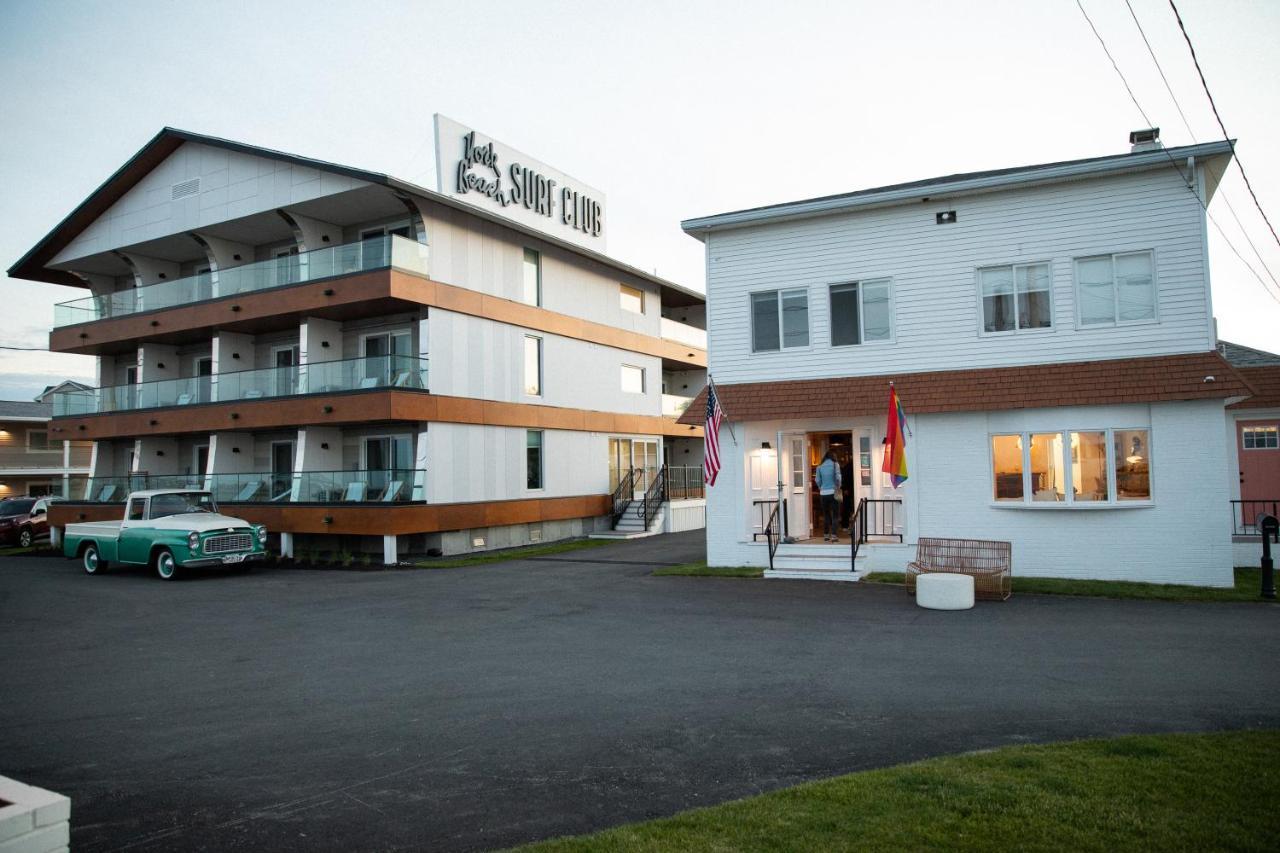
{"x":32,"y":461}
{"x":1050,"y":332}
{"x":1253,"y":429}
{"x":360,"y":363}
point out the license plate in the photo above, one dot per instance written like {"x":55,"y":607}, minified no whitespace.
{"x":233,"y":558}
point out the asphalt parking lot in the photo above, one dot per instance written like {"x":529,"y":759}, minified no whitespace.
{"x":477,"y":708}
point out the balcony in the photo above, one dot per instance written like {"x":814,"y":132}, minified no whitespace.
{"x":683,"y":333}
{"x":329,"y":262}
{"x":673,"y":405}
{"x":305,"y":487}
{"x":321,"y":377}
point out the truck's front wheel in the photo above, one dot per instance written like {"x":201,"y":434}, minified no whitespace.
{"x":166,"y":565}
{"x":93,"y":562}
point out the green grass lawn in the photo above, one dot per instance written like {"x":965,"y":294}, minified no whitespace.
{"x":702,"y":570}
{"x":1248,"y":585}
{"x":512,"y":554}
{"x":1167,"y":792}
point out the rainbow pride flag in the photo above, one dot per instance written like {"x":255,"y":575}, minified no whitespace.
{"x":895,"y":441}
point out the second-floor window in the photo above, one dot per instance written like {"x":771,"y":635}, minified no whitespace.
{"x":860,"y":312}
{"x":779,"y":320}
{"x":533,"y":366}
{"x":1116,"y":289}
{"x":632,"y":379}
{"x":631,"y":298}
{"x":1016,"y":297}
{"x":37,"y":439}
{"x":532,"y":292}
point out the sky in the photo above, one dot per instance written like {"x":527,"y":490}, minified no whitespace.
{"x":673,"y":109}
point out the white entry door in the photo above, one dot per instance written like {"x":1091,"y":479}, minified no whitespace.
{"x":797,"y":486}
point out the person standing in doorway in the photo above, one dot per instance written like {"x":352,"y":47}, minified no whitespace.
{"x":827,"y":478}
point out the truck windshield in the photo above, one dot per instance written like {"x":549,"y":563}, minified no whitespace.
{"x":176,"y":503}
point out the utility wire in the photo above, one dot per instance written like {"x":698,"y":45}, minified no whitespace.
{"x":1192,"y":134}
{"x":1187,"y":37}
{"x":1172,"y":162}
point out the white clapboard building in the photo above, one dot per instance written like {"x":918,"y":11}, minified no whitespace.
{"x":1050,"y":332}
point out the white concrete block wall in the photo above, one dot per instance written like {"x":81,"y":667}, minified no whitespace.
{"x":34,"y":820}
{"x":468,"y":463}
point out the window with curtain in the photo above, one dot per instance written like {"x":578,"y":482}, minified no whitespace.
{"x":860,"y":312}
{"x":1116,"y":289}
{"x":1016,"y":297}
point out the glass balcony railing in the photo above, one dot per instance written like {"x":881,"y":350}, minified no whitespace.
{"x":324,"y":377}
{"x":376,"y":253}
{"x":397,"y":485}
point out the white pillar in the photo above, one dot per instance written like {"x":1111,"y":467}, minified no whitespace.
{"x":286,"y":545}
{"x":55,"y":537}
{"x":389,"y":555}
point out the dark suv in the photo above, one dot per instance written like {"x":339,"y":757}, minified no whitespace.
{"x":23,"y":520}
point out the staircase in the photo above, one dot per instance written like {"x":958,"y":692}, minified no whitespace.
{"x":816,"y":562}
{"x":631,"y":524}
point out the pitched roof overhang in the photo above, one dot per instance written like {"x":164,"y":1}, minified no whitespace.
{"x":1036,"y":386}
{"x":971,"y":183}
{"x":1266,"y":381}
{"x":32,"y":265}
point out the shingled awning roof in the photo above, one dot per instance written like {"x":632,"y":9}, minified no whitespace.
{"x":1266,"y":383}
{"x":1086,"y":383}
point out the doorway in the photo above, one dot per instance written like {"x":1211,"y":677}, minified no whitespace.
{"x":638,"y":454}
{"x":281,"y":468}
{"x":841,"y":446}
{"x":386,"y":457}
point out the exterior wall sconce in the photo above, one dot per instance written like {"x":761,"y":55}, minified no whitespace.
{"x":235,"y":355}
{"x":159,"y":453}
{"x":324,"y":238}
{"x":159,"y":364}
{"x":328,"y":519}
{"x":324,"y":445}
{"x":324,"y":344}
{"x":235,"y":257}
{"x":235,"y":307}
{"x":80,"y":427}
{"x":764,"y":445}
{"x":328,"y":409}
{"x":80,"y":516}
{"x":152,"y":422}
{"x":946,"y":217}
{"x":83,"y":335}
{"x":235,"y":416}
{"x":235,"y":450}
{"x":164,"y":275}
{"x":155,"y":323}
{"x":328,"y":291}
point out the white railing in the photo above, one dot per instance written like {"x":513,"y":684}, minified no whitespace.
{"x":683,"y":333}
{"x":673,"y":406}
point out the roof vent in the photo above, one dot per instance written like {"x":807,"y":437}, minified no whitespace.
{"x":185,"y":188}
{"x":1145,"y":140}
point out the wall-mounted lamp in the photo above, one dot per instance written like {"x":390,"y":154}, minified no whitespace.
{"x":946,"y":217}
{"x":152,"y":422}
{"x":159,"y":364}
{"x":159,"y":453}
{"x":324,"y":344}
{"x":155,"y":323}
{"x":235,"y":355}
{"x":764,"y":445}
{"x":324,"y":238}
{"x":328,"y":291}
{"x":235,"y":450}
{"x":328,"y":409}
{"x":164,"y":275}
{"x":235,"y":307}
{"x":235,"y":257}
{"x":328,"y":519}
{"x":80,"y":516}
{"x":83,"y":335}
{"x":81,"y":427}
{"x":235,"y":416}
{"x":324,"y":445}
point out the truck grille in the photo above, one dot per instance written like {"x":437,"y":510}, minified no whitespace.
{"x":228,"y":542}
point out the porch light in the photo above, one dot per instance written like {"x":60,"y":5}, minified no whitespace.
{"x":764,"y":445}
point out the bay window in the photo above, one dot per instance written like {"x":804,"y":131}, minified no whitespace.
{"x":1016,"y":297}
{"x":1116,"y":289}
{"x":779,"y":320}
{"x":1072,"y":467}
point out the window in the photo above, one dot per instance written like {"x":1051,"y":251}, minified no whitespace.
{"x":779,"y":319}
{"x":1260,"y":437}
{"x":860,"y":312}
{"x":137,"y":509}
{"x":1116,"y":289}
{"x":533,"y":459}
{"x":532,"y":277}
{"x":632,"y":379}
{"x":1016,"y":297}
{"x":38,"y":439}
{"x":1088,"y":467}
{"x":533,"y":366}
{"x":632,"y":299}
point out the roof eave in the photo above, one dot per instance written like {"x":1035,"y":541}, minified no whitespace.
{"x":1032,"y":175}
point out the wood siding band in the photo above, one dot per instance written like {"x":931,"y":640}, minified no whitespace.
{"x":358,"y":407}
{"x":365,"y":294}
{"x":374,"y":519}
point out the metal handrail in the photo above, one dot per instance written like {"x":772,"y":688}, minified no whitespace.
{"x":1245,"y":514}
{"x":860,"y":529}
{"x":685,"y":482}
{"x":773,"y":535}
{"x":624,"y":495}
{"x":654,"y":497}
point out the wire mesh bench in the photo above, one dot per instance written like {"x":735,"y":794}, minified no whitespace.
{"x":988,"y":563}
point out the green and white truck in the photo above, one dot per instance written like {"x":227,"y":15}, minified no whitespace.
{"x":169,"y":530}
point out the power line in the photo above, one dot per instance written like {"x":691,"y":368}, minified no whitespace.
{"x":1172,"y":162}
{"x":1192,"y":134}
{"x":1187,"y":37}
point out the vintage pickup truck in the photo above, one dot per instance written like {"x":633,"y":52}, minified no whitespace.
{"x":169,"y":530}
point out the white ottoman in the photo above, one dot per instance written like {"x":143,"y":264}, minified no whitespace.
{"x":943,"y":591}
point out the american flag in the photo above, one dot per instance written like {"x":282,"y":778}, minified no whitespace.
{"x":711,"y":434}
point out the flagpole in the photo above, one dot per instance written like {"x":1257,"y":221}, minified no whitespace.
{"x":727,"y":422}
{"x":905,"y":425}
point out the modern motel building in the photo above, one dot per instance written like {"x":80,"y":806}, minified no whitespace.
{"x":1050,"y":332}
{"x":361,"y":363}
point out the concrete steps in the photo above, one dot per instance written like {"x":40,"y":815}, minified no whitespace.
{"x":631,"y":525}
{"x":815,"y":562}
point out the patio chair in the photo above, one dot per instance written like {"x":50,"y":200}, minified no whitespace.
{"x":183,"y":399}
{"x":355,"y":493}
{"x":988,"y":563}
{"x":106,"y":493}
{"x":402,"y":379}
{"x":392,"y":491}
{"x":283,"y":496}
{"x":249,"y":492}
{"x":253,"y":394}
{"x":369,"y":382}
